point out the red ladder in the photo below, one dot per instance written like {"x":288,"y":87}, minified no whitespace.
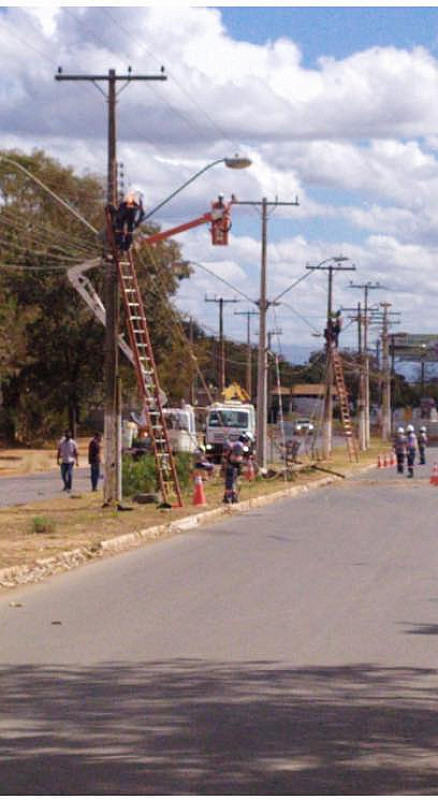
{"x":343,"y":402}
{"x":146,"y":373}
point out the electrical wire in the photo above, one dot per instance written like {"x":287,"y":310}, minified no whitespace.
{"x":132,"y":35}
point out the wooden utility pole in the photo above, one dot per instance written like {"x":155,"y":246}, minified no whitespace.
{"x":358,"y":317}
{"x":248,"y":315}
{"x":112,"y":435}
{"x":367,"y":287}
{"x":221,"y":301}
{"x":386,"y":370}
{"x":263,"y":304}
{"x":330,"y":265}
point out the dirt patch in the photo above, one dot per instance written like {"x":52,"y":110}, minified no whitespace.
{"x":27,"y":460}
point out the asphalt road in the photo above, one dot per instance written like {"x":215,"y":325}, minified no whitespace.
{"x":22,"y":489}
{"x":291,"y":650}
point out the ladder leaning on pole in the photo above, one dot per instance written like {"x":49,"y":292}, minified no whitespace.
{"x":146,"y":372}
{"x":343,"y":402}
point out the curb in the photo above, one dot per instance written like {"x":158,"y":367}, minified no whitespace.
{"x":11,"y":577}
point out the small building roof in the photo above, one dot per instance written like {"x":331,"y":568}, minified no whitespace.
{"x":303,"y":390}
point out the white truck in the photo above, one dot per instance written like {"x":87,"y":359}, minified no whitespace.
{"x":181,"y":428}
{"x":226,"y":422}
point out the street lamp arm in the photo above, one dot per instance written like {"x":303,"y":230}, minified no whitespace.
{"x":180,"y":188}
{"x":232,"y":163}
{"x":292,"y":286}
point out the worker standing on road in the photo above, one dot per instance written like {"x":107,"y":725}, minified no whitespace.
{"x":411,"y":449}
{"x":422,"y":444}
{"x":400,"y":449}
{"x":67,"y":457}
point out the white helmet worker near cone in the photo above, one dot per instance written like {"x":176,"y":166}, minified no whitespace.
{"x":411,"y":449}
{"x":400,"y":449}
{"x":422,"y":444}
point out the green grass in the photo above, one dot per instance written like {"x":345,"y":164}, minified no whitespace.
{"x":42,"y":525}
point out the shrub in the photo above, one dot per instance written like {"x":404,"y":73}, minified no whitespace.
{"x":140,"y":475}
{"x":42,"y":525}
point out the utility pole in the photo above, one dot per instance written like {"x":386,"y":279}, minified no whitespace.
{"x":221,"y":301}
{"x":358,"y":317}
{"x":367,"y":287}
{"x":248,"y":315}
{"x":270,"y":334}
{"x":112,"y":434}
{"x":330,"y":265}
{"x":386,"y":370}
{"x":263,"y":304}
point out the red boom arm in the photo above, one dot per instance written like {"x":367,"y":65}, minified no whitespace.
{"x":219,"y":217}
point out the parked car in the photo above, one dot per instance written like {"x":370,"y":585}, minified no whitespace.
{"x":303,"y":425}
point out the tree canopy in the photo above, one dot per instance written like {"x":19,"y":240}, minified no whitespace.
{"x":51,"y":346}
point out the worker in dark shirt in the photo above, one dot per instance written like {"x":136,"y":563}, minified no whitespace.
{"x":95,"y":459}
{"x":126,"y":218}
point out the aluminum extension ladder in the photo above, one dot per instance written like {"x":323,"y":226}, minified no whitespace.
{"x":146,"y":373}
{"x":341,"y":389}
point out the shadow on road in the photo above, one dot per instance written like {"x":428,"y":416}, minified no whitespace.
{"x":196,"y":727}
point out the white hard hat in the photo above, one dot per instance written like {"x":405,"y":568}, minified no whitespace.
{"x":134,"y":194}
{"x":423,"y":429}
{"x":400,"y":430}
{"x":410,"y":428}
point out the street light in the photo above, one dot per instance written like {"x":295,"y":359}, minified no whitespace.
{"x":236,"y":162}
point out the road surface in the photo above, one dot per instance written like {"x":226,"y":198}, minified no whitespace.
{"x":21,"y":489}
{"x":291,"y":650}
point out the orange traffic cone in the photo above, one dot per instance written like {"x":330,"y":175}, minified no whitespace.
{"x":379,"y":462}
{"x":393,"y":460}
{"x":199,"y":494}
{"x":434,"y":476}
{"x":250,"y":471}
{"x":386,"y":461}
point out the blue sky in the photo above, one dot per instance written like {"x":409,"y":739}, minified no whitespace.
{"x":337,"y":106}
{"x":335,"y":32}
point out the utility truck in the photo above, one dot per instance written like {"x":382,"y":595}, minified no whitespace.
{"x":181,"y":428}
{"x":227,"y":422}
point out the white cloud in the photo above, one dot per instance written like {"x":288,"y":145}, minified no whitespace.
{"x":354,"y":139}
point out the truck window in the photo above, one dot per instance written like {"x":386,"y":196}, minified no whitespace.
{"x":228,"y":418}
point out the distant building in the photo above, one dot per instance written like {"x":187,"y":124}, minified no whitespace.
{"x":302,"y":398}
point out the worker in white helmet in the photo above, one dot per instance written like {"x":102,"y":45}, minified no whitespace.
{"x":422,"y":444}
{"x":400,"y":449}
{"x":411,"y":449}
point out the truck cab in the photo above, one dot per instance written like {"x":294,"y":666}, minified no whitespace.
{"x":226,"y":422}
{"x":181,"y":428}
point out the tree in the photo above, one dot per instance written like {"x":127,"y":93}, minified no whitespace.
{"x":57,"y":347}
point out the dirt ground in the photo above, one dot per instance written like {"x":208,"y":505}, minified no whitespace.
{"x":47,"y":528}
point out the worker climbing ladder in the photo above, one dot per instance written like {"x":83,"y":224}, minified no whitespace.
{"x":342,"y":393}
{"x":146,"y":373}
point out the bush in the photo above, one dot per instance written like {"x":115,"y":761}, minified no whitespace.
{"x":140,"y":475}
{"x":42,"y":525}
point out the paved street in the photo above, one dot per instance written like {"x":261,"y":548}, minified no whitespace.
{"x":22,"y":489}
{"x":290,"y":650}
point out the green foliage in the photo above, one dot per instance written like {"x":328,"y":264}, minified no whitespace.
{"x":42,"y":525}
{"x":51,"y":346}
{"x":141,"y":475}
{"x":138,"y":475}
